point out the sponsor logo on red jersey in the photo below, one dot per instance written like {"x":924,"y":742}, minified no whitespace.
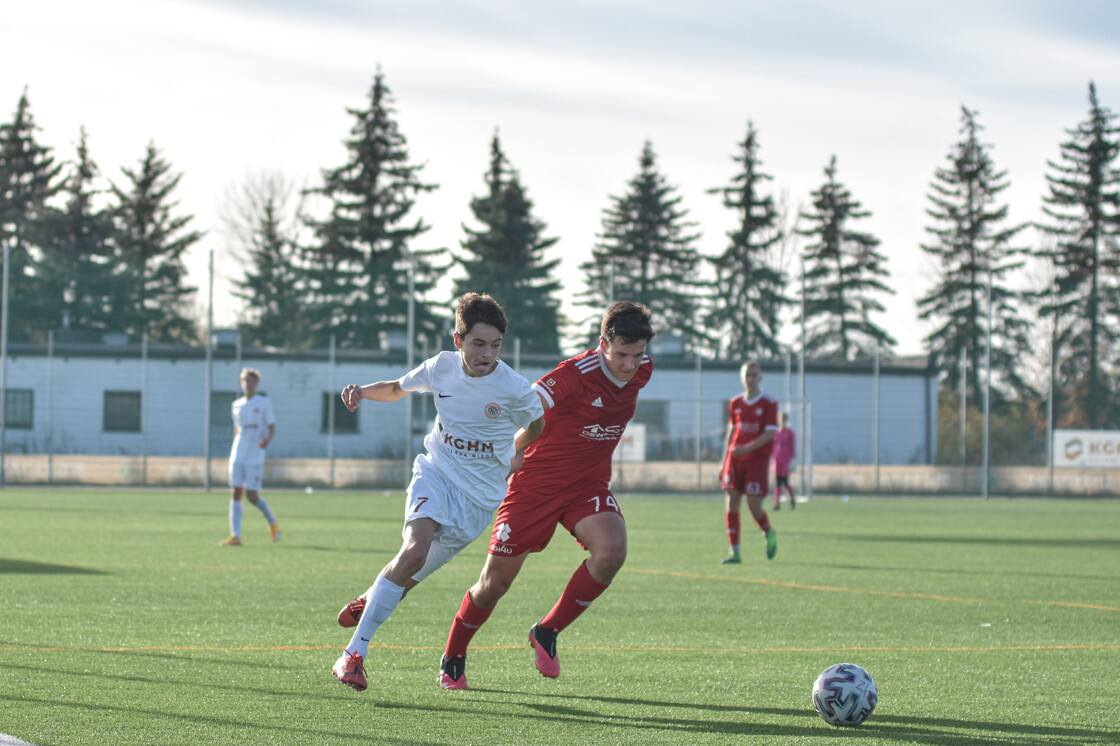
{"x":598,"y":432}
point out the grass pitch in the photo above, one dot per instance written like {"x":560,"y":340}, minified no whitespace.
{"x":123,"y":622}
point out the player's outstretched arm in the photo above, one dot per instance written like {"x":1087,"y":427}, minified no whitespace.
{"x":522,"y":440}
{"x":388,"y":391}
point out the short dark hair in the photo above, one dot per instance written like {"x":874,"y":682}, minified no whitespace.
{"x":627,"y":322}
{"x":478,"y":308}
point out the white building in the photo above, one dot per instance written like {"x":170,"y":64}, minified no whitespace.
{"x":122,"y":399}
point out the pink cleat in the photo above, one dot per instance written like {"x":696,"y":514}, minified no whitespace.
{"x":452,"y":673}
{"x":543,"y":641}
{"x":349,"y":670}
{"x":352,"y":612}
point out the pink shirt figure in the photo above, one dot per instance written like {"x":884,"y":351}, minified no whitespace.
{"x":785,"y":450}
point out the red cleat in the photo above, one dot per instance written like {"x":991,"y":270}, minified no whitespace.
{"x":349,"y":670}
{"x":352,"y":612}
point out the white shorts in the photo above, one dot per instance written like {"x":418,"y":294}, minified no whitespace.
{"x":248,"y":476}
{"x":460,"y":520}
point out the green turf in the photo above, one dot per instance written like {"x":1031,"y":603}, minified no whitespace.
{"x":123,"y":622}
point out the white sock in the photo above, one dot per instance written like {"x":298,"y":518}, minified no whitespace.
{"x":262,"y":506}
{"x":382,"y":597}
{"x":235,"y":509}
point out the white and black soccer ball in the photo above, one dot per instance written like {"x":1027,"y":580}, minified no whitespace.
{"x":845,"y":695}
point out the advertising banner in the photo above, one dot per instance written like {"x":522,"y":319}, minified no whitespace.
{"x":1087,"y":448}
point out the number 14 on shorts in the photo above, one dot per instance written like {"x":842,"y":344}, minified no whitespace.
{"x":610,"y":504}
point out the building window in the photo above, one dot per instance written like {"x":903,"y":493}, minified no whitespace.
{"x":19,"y":409}
{"x":122,"y":411}
{"x":221,"y":406}
{"x":345,"y":421}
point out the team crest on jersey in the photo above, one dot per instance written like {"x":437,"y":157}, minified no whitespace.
{"x":758,"y":412}
{"x":493,"y":410}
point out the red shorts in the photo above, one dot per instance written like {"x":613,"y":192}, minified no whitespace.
{"x":526,"y":521}
{"x":749,"y":476}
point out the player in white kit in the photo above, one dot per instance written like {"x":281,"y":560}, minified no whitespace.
{"x":254,"y":427}
{"x":486,"y":416}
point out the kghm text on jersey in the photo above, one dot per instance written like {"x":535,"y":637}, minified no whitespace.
{"x":475,"y":448}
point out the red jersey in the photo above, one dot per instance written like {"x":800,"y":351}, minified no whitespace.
{"x":588,"y":409}
{"x":749,"y":419}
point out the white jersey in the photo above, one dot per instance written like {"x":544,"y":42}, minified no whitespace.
{"x":472,"y":442}
{"x":251,"y":418}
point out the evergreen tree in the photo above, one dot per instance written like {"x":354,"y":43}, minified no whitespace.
{"x":646,"y":254}
{"x":971,"y":245}
{"x":28,"y":181}
{"x":1084,"y":206}
{"x":844,"y":274}
{"x":262,"y":224}
{"x":506,"y":258}
{"x":77,"y":269}
{"x":748,"y":298}
{"x":359,"y":264}
{"x":151,"y":295}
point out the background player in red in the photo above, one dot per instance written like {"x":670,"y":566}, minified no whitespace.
{"x":746,"y":465}
{"x":564,"y":480}
{"x":785,"y":451}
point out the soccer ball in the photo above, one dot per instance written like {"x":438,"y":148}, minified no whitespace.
{"x":844,"y":695}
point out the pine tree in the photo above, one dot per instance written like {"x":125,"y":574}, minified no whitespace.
{"x":748,"y":299}
{"x":262,"y":224}
{"x":1084,"y":206}
{"x":151,"y":296}
{"x":844,"y":273}
{"x":506,"y":258}
{"x":29,"y":179}
{"x":77,"y":269}
{"x":972,"y":246}
{"x":359,"y":264}
{"x":646,"y":254}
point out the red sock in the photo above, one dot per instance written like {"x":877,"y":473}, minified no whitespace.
{"x":732,"y":521}
{"x":763,"y":522}
{"x":581,"y":591}
{"x":467,"y":621}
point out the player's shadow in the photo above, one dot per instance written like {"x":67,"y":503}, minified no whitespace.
{"x":262,"y":732}
{"x":924,"y":730}
{"x":25,"y":567}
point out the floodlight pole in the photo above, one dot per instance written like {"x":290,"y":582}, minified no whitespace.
{"x":699,"y":413}
{"x":987,"y":475}
{"x":209,"y":372}
{"x":4,"y":359}
{"x":876,"y":415}
{"x":409,"y":357}
{"x":806,"y":476}
{"x":330,"y":409}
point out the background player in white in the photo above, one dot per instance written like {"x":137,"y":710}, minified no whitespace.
{"x":254,"y":427}
{"x":565,"y":481}
{"x":486,"y":415}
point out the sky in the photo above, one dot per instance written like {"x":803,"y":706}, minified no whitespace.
{"x":231,"y":90}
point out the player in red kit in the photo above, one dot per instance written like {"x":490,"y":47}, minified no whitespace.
{"x":746,"y":465}
{"x":564,"y":480}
